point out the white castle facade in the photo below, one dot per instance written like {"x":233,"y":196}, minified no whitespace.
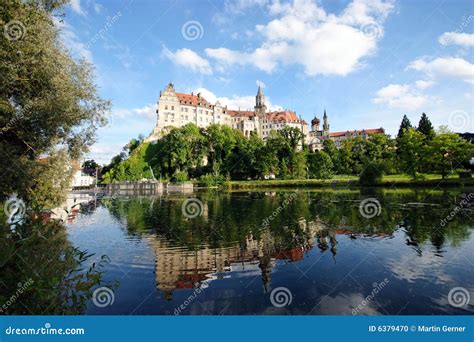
{"x":178,"y":109}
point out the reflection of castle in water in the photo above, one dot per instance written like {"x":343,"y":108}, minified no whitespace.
{"x":179,"y":268}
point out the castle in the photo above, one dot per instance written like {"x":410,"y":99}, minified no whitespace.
{"x":178,"y":109}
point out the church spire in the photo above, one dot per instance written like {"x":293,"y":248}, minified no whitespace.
{"x":260,"y":98}
{"x":325,"y":121}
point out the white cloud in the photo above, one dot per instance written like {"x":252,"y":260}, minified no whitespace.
{"x":401,"y":96}
{"x":71,"y":41}
{"x":422,"y":84}
{"x":188,"y":59}
{"x":147,"y":111}
{"x":455,"y":38}
{"x":453,"y":67}
{"x":76,"y":7}
{"x":235,"y":102}
{"x":303,"y":33}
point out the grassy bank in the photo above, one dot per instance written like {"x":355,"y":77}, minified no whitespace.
{"x":427,"y":180}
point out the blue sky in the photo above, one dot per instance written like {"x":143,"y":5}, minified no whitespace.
{"x":367,"y":62}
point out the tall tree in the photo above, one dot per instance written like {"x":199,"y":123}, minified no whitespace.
{"x":411,"y":151}
{"x":425,"y":127}
{"x":48,"y":101}
{"x":404,"y":125}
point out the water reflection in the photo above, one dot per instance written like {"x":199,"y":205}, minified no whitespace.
{"x":319,"y":246}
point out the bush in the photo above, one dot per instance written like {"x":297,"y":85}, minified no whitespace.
{"x":211,"y":180}
{"x":180,"y":177}
{"x":371,"y":174}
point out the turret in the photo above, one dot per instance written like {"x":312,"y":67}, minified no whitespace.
{"x":315,"y":124}
{"x":325,"y":122}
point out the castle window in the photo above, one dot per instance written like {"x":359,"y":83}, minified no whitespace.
{"x":172,"y":107}
{"x":166,"y":107}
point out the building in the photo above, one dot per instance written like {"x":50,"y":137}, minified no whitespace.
{"x":317,"y":136}
{"x":81,"y":179}
{"x":178,"y":109}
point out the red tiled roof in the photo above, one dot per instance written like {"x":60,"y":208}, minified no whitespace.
{"x":194,"y":100}
{"x":368,"y":131}
{"x":248,"y":113}
{"x":283,"y":116}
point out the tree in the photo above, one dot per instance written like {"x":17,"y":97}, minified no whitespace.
{"x":90,"y":164}
{"x":425,"y":127}
{"x":448,"y":151}
{"x":330,"y":148}
{"x":411,"y":151}
{"x":48,"y":101}
{"x":371,"y":174}
{"x":404,"y":125}
{"x":320,"y":165}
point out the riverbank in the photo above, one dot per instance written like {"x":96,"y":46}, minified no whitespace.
{"x":428,"y":180}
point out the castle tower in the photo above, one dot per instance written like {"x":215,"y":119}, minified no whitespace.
{"x":315,"y":124}
{"x":260,"y":109}
{"x":325,"y":124}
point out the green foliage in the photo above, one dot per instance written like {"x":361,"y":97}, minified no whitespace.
{"x":404,"y":125}
{"x":320,"y":165}
{"x":425,"y":127}
{"x":212,"y":180}
{"x":411,"y":148}
{"x":47,"y":99}
{"x":56,"y":277}
{"x":447,"y":151}
{"x":371,"y":174}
